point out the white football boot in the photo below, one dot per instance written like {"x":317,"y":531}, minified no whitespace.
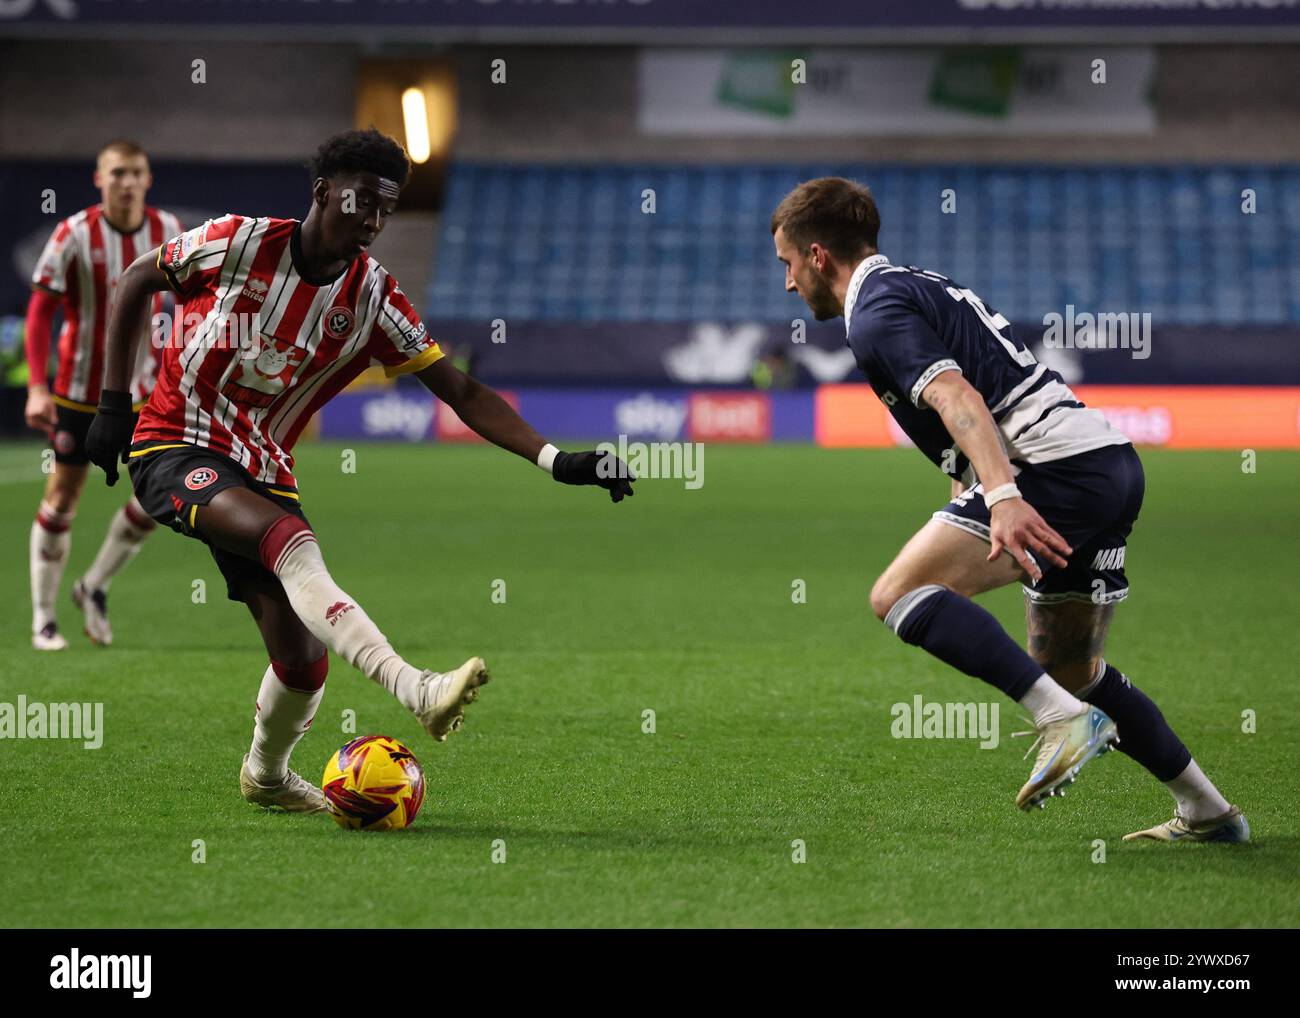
{"x":1231,"y":827}
{"x":1064,"y":747}
{"x":294,"y":794}
{"x":49,"y":638}
{"x":443,"y":696}
{"x":94,"y":607}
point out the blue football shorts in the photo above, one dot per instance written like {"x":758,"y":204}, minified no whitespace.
{"x":1092,"y":500}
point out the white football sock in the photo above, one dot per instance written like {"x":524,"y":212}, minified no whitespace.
{"x":51,"y":541}
{"x":1048,"y":701}
{"x":335,"y":619}
{"x":283,"y":716}
{"x":1196,"y":795}
{"x":126,"y":533}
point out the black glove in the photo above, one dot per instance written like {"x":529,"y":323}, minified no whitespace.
{"x":110,"y":433}
{"x":604,"y":469}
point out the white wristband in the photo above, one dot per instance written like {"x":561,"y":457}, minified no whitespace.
{"x":546,"y":458}
{"x":1001,"y":493}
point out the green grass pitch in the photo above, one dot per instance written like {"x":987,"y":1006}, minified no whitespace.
{"x":772,"y":718}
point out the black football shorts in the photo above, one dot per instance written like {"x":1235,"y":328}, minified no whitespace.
{"x":172,"y":480}
{"x":69,"y":439}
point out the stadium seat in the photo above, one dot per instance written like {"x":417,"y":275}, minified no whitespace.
{"x":572,"y":242}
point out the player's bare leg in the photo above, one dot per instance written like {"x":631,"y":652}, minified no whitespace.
{"x":1068,"y":639}
{"x":127,"y":531}
{"x":287,"y":700}
{"x":939,"y":553}
{"x":245,"y":523}
{"x":51,"y":542}
{"x":924,"y":597}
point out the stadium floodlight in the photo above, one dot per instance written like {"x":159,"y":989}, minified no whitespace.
{"x":416,"y":118}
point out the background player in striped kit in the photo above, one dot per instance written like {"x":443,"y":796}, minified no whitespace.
{"x":212,"y":458}
{"x":1044,"y":491}
{"x":78,"y":273}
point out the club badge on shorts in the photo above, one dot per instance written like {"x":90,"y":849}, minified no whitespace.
{"x":200,"y":478}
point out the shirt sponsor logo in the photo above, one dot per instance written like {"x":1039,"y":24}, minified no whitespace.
{"x":197,"y":480}
{"x":271,"y":361}
{"x":260,"y":379}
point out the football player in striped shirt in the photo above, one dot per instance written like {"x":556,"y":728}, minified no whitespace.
{"x":77,"y":273}
{"x":276,"y":317}
{"x":1044,"y":492}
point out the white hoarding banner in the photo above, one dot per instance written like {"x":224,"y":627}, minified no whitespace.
{"x":984,"y":90}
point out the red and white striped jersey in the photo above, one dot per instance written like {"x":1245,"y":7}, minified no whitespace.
{"x":259,"y":349}
{"x":82,"y":262}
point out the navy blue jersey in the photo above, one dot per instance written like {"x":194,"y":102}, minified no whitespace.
{"x":907,"y":325}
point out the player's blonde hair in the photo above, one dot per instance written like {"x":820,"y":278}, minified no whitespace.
{"x":124,"y":147}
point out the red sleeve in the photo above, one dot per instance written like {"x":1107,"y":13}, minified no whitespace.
{"x":192,"y":260}
{"x":36,"y":336}
{"x":51,"y":271}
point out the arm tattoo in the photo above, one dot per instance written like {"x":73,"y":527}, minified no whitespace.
{"x":964,"y":421}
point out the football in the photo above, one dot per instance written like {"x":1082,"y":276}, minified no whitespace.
{"x":373,"y":783}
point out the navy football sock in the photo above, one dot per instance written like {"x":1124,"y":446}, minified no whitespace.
{"x":959,"y":632}
{"x":1144,"y":733}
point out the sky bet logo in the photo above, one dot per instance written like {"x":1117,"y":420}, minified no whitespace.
{"x":76,"y":971}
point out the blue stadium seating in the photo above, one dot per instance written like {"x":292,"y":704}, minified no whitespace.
{"x":571,"y":241}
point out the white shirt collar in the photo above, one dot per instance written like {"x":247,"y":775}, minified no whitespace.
{"x":865,"y":267}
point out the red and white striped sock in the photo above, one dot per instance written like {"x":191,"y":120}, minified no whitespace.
{"x":289,"y":550}
{"x":50,"y":543}
{"x":286,"y":704}
{"x":126,"y":533}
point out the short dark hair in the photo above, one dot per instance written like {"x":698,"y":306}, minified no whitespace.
{"x":368,"y":151}
{"x":839,"y":214}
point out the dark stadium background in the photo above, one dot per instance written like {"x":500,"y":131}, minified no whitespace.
{"x":1117,"y":197}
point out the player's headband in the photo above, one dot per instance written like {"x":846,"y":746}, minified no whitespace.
{"x":389,"y":188}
